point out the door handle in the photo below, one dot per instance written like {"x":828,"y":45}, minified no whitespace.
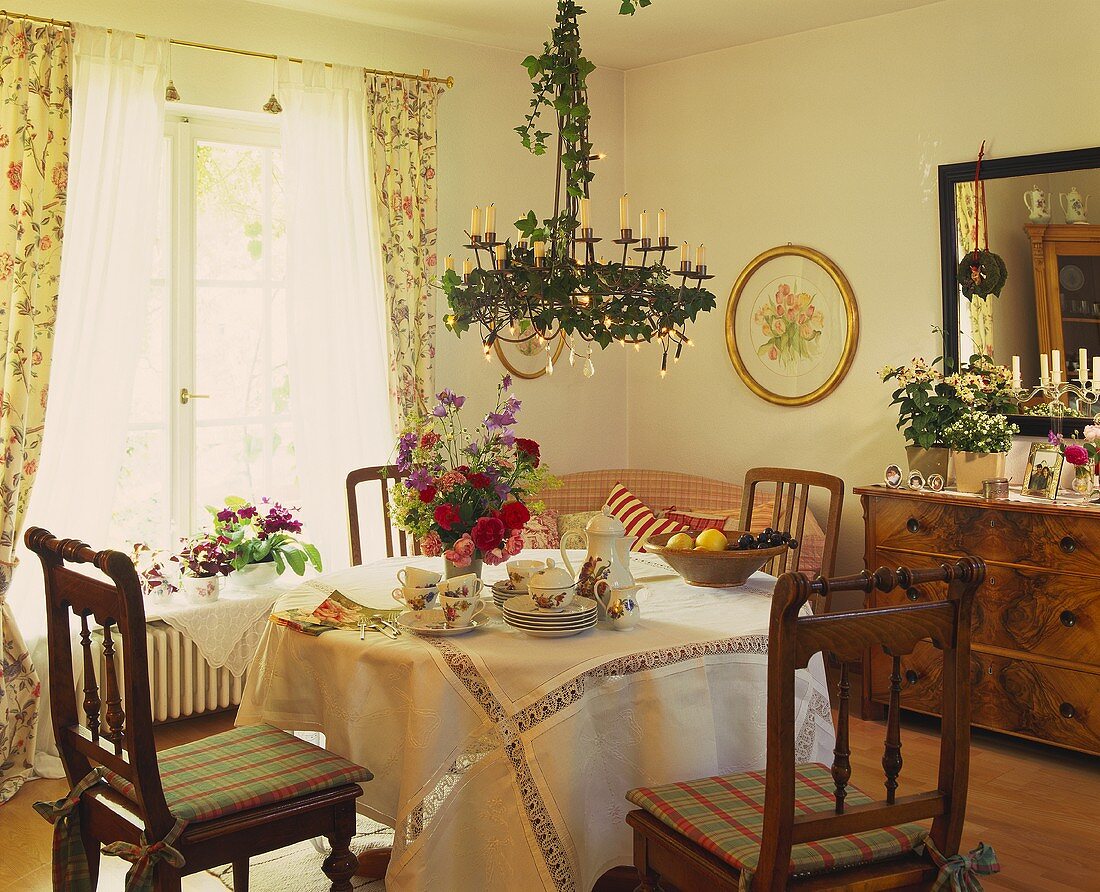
{"x":186,"y":396}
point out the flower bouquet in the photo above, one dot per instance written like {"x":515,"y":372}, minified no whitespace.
{"x":262,"y":542}
{"x":980,"y":443}
{"x":1084,"y":456}
{"x":466,"y":496}
{"x":203,"y":562}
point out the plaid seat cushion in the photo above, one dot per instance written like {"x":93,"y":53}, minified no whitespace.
{"x":241,"y":769}
{"x":725,"y":815}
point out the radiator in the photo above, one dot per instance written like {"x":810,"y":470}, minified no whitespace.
{"x":181,"y":683}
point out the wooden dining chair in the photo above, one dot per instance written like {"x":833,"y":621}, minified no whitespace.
{"x":792,"y":489}
{"x":386,"y":476}
{"x":785,"y":828}
{"x":215,"y":801}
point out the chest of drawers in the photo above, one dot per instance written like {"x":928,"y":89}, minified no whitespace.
{"x":1035,"y":662}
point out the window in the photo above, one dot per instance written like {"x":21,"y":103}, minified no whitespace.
{"x":210,"y":414}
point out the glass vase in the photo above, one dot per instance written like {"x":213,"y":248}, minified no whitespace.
{"x":1083,"y":482}
{"x":450,"y":570}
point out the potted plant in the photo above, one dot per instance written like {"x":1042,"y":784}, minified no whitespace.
{"x":157,"y":573}
{"x":466,"y":496}
{"x":262,"y":541}
{"x":979,"y":443}
{"x":203,"y":562}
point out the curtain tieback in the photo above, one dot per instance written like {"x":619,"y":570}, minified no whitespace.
{"x":959,"y":873}
{"x":145,"y":856}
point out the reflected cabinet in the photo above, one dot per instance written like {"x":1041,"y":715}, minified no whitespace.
{"x":1066,"y":265}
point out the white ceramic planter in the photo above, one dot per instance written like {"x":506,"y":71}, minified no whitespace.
{"x":255,"y":575}
{"x":201,"y":590}
{"x":971,"y":468}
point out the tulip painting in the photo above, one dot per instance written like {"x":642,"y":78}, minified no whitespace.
{"x":791,"y":326}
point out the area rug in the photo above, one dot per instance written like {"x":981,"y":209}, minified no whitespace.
{"x":297,"y":868}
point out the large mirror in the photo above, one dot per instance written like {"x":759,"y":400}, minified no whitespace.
{"x":1038,"y":218}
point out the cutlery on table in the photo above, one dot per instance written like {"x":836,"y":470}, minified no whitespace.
{"x":388,"y":623}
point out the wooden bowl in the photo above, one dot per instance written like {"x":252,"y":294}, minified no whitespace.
{"x":716,"y":569}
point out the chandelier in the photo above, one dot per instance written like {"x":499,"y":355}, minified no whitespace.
{"x":551,"y":281}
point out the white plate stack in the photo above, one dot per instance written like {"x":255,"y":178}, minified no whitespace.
{"x":578,"y":616}
{"x":502,"y":591}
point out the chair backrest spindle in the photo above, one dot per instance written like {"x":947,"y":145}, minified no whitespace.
{"x":92,"y":704}
{"x":386,"y":476}
{"x":891,"y":755}
{"x":842,"y":752}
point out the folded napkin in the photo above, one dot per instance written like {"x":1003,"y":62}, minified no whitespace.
{"x":335,"y":613}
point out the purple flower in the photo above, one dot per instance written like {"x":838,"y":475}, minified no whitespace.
{"x":501,"y":489}
{"x":247,"y":512}
{"x":405,"y":446}
{"x":1054,"y":438}
{"x":506,"y":382}
{"x":507,"y":438}
{"x":440,"y":411}
{"x":499,"y":420}
{"x":226,"y":515}
{"x":449,"y":398}
{"x":419,"y":479}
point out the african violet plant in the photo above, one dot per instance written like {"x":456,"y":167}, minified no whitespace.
{"x":264,"y":534}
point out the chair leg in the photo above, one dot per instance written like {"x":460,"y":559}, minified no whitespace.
{"x":341,"y":864}
{"x":167,"y":879}
{"x":91,"y":852}
{"x":648,"y":880}
{"x":240,"y":875}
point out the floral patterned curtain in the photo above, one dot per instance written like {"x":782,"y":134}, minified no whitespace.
{"x":401,"y":119}
{"x":35,"y":102}
{"x":980,"y":315}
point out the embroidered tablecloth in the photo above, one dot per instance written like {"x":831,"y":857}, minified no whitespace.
{"x":502,"y":760}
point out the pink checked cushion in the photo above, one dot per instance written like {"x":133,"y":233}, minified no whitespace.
{"x":697,"y":521}
{"x":541,"y":531}
{"x":241,"y":769}
{"x":640,"y":522}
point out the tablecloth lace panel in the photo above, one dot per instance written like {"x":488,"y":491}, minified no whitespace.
{"x":226,"y":632}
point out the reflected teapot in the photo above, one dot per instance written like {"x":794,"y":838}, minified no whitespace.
{"x":1038,"y":205}
{"x":608,"y":557}
{"x":1074,"y":206}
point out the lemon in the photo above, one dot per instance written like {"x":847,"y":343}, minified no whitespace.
{"x":681,"y":541}
{"x":712,"y":540}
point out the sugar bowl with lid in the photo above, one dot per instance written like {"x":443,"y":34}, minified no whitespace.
{"x":551,"y":588}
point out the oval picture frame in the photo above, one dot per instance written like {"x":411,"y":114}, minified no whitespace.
{"x":514,"y":364}
{"x":795,"y":370}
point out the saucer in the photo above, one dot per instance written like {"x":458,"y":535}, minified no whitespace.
{"x":522,"y":605}
{"x":432,"y":622}
{"x":505,"y":589}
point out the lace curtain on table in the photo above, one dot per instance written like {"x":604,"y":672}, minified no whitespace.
{"x":35,"y":100}
{"x":401,"y":117}
{"x":977,"y":323}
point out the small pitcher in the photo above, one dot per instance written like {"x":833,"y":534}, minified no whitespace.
{"x":618,"y":607}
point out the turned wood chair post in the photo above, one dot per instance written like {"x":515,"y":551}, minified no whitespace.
{"x":789,"y":509}
{"x":381,"y":474}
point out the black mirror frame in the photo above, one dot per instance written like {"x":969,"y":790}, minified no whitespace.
{"x":996,"y":168}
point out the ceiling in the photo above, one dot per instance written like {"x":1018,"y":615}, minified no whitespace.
{"x":669,"y":29}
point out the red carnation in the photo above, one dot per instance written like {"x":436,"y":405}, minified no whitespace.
{"x":479,"y":480}
{"x":446,"y":516}
{"x":428,"y":494}
{"x":429,"y":439}
{"x":529,"y":448}
{"x":488,"y":533}
{"x":514,"y":515}
{"x":1076,"y":454}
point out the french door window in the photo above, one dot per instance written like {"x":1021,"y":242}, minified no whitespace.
{"x":211,"y":407}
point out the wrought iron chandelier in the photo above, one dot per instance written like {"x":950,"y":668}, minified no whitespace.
{"x":547,"y":283}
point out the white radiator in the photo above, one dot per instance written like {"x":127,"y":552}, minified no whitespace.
{"x":181,"y":682}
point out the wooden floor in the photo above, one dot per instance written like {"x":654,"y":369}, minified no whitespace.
{"x":1039,"y":807}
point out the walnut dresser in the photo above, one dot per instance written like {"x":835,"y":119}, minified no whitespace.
{"x":1035,"y":664}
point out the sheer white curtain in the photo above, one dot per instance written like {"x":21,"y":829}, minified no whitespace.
{"x":114,"y":168}
{"x":339,"y":394}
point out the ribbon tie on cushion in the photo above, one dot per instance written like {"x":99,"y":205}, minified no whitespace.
{"x":959,"y":873}
{"x":70,"y":862}
{"x":145,"y":857}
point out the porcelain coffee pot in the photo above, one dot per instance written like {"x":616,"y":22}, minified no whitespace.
{"x":608,"y":556}
{"x":1075,"y":207}
{"x":1038,"y":205}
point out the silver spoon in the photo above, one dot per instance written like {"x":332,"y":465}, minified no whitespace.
{"x":389,"y":623}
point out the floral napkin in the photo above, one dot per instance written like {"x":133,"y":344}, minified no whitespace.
{"x":336,"y":612}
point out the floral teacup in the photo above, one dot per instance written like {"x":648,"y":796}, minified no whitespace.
{"x":519,"y":572}
{"x":458,"y":609}
{"x":414,"y":577}
{"x":416,"y":597}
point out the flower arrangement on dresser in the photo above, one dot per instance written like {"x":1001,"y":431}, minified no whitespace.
{"x":979,"y":443}
{"x":262,"y":541}
{"x":1084,"y":456}
{"x":466,"y":496}
{"x":930,"y":401}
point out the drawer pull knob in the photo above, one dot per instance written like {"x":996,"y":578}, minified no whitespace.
{"x":912,"y":525}
{"x":912,"y":594}
{"x":1068,"y":618}
{"x":911,"y":676}
{"x":1067,"y":710}
{"x":1068,"y":544}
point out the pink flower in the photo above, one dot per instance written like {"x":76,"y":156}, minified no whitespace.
{"x":1076,"y":454}
{"x":514,"y":545}
{"x":1092,"y":433}
{"x":462,"y":553}
{"x":450,"y":480}
{"x":407,"y":206}
{"x":431,"y":545}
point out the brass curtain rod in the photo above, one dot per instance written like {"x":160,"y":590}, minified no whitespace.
{"x":425,"y":75}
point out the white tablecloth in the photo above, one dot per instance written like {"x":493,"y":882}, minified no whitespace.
{"x":502,"y":760}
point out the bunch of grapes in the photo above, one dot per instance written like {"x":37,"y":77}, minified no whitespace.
{"x":767,"y":539}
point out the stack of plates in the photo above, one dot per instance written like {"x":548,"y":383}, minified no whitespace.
{"x":578,"y":616}
{"x":502,"y":591}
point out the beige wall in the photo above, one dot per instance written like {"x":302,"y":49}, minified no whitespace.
{"x":831,"y":138}
{"x":480,"y":160}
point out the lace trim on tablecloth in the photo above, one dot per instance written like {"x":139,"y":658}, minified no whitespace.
{"x":506,"y":731}
{"x":227,"y":632}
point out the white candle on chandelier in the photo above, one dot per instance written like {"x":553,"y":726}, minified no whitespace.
{"x":1044,"y":369}
{"x":467,"y":267}
{"x":521,"y":239}
{"x":586,"y":222}
{"x":501,"y":254}
{"x":1095,"y":371}
{"x":643,"y":225}
{"x":662,"y":224}
{"x":1082,"y":365}
{"x":475,"y":222}
{"x":1056,"y":367}
{"x":685,"y":250}
{"x":449,"y":264}
{"x":701,"y":256}
{"x":1016,"y":372}
{"x":491,"y":218}
{"x":540,"y":252}
{"x":624,"y":212}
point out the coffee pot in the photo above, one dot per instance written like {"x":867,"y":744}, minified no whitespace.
{"x":607,"y":558}
{"x":1074,"y":206}
{"x":1038,"y":205}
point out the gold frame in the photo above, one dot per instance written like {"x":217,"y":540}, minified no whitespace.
{"x":1051,"y":491}
{"x":526,"y":376}
{"x":851,"y":312}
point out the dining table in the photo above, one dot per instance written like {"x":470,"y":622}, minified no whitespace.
{"x":502,"y":761}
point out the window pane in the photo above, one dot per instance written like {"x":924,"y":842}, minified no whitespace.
{"x":141,"y":500}
{"x":151,"y":381}
{"x":229,"y":211}
{"x":230,"y":352}
{"x":278,"y":219}
{"x":225,"y":460}
{"x":283,"y":484}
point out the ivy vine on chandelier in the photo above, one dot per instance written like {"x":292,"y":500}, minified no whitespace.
{"x":547,"y":283}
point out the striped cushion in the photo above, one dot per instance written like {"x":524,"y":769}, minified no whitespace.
{"x":241,"y":769}
{"x":640,"y":522}
{"x":725,"y":815}
{"x":697,"y":521}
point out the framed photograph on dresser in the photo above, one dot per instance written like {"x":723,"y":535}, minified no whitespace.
{"x":1044,"y":468}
